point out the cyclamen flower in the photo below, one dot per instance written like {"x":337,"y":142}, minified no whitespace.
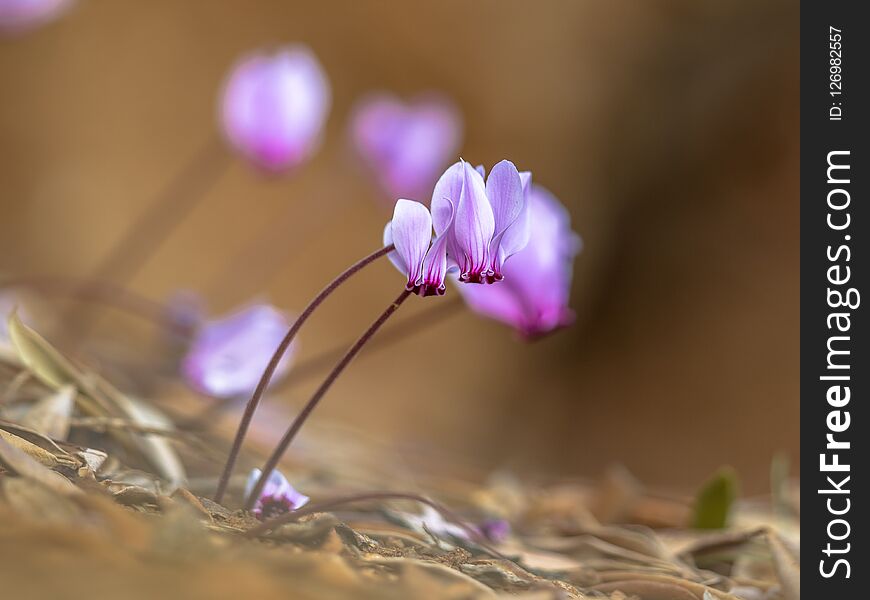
{"x":273,"y":107}
{"x":278,"y":496}
{"x":406,"y":144}
{"x":410,"y":230}
{"x":484,"y":224}
{"x":495,"y":530}
{"x":17,"y":16}
{"x":228,"y":355}
{"x":533,"y":298}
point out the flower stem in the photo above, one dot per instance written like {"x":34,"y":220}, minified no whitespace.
{"x":248,"y":272}
{"x":333,"y":503}
{"x":300,"y":419}
{"x":396,"y":332}
{"x":251,"y":407}
{"x":315,"y":365}
{"x":154,"y":226}
{"x":100,"y":292}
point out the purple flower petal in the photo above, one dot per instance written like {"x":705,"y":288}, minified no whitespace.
{"x":516,"y":237}
{"x":473,"y":227}
{"x":228,"y":355}
{"x":18,"y":16}
{"x":445,"y":196}
{"x":273,"y":107}
{"x":435,"y":263}
{"x":495,"y":530}
{"x":406,"y":144}
{"x":278,"y":496}
{"x":504,"y":189}
{"x":411,"y":232}
{"x":533,"y":298}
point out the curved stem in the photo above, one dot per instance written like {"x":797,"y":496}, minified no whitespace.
{"x":396,"y":332}
{"x":333,"y":503}
{"x":153,"y":227}
{"x":300,"y":419}
{"x":100,"y":292}
{"x":251,"y":407}
{"x":304,"y":370}
{"x":248,"y":272}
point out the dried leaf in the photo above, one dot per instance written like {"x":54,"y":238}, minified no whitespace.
{"x":92,"y":458}
{"x":51,"y":415}
{"x":787,"y":566}
{"x":62,"y":457}
{"x":156,"y":448}
{"x":24,"y":465}
{"x":655,"y":587}
{"x":39,"y":356}
{"x":43,"y":457}
{"x":32,"y":498}
{"x":55,"y":370}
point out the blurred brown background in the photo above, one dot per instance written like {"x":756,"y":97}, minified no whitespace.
{"x":669,"y":128}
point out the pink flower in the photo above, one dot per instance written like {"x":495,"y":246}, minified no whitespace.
{"x":278,"y":496}
{"x":484,"y":223}
{"x":533,"y":298}
{"x":406,"y":145}
{"x":228,"y":355}
{"x":274,"y":106}
{"x":495,"y":530}
{"x":423,"y":261}
{"x":17,"y":16}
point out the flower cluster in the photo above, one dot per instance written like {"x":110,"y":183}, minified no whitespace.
{"x":480,"y":222}
{"x":478,"y":226}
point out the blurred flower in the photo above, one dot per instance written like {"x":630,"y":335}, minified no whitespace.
{"x":274,"y":106}
{"x":489,"y":223}
{"x":533,"y":298}
{"x":278,"y":496}
{"x":17,"y":16}
{"x":411,"y":232}
{"x":406,"y":144}
{"x":495,"y":530}
{"x":433,"y":522}
{"x":186,"y":308}
{"x":228,"y":355}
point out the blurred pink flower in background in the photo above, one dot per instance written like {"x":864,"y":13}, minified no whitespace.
{"x":533,"y":297}
{"x":273,"y":106}
{"x":17,"y":16}
{"x":228,"y":355}
{"x":278,"y":496}
{"x":406,"y":145}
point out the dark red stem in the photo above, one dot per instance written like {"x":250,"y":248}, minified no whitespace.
{"x":300,"y":419}
{"x":251,"y":407}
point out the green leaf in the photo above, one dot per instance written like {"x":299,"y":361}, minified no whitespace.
{"x":714,"y":500}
